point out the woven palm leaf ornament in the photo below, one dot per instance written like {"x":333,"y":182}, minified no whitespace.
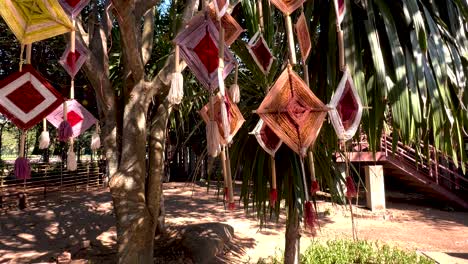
{"x":295,"y":115}
{"x":270,"y":142}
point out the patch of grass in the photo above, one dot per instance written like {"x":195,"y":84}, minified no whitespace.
{"x":357,"y":252}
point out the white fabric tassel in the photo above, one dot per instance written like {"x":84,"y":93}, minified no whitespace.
{"x":213,"y":139}
{"x":176,"y":93}
{"x":234,"y":93}
{"x":44,"y":140}
{"x":95,"y":141}
{"x":71,"y":160}
{"x":225,"y":121}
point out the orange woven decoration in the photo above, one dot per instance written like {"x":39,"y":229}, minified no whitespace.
{"x":232,"y":29}
{"x":293,"y":112}
{"x":235,"y":117}
{"x":303,"y":37}
{"x":287,"y":6}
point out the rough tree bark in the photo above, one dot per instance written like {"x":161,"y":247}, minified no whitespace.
{"x":293,"y":234}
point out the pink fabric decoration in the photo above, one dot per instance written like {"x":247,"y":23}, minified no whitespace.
{"x":199,"y":48}
{"x":350,"y":188}
{"x":22,"y":169}
{"x":79,"y":118}
{"x":65,"y":131}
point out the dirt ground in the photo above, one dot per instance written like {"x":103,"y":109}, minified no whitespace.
{"x":83,"y":224}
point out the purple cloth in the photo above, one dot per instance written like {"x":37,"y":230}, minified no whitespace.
{"x":65,"y":131}
{"x":22,"y":169}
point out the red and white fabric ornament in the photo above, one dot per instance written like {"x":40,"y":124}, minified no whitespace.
{"x":340,"y":10}
{"x":345,"y":108}
{"x":26,"y":97}
{"x":73,"y":61}
{"x":199,"y":44}
{"x":73,"y":7}
{"x":78,"y":117}
{"x":260,"y":52}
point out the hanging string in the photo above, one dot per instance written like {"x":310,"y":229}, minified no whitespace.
{"x":231,"y":204}
{"x":310,"y":217}
{"x":341,"y":50}
{"x":289,"y":32}
{"x":350,"y":189}
{"x":21,"y":58}
{"x":273,"y":191}
{"x":314,"y":188}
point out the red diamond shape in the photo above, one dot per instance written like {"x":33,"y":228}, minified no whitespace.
{"x":72,"y":3}
{"x":72,"y":58}
{"x":297,"y":111}
{"x":347,"y":107}
{"x":73,"y":118}
{"x":26,"y":97}
{"x":263,"y":54}
{"x":269,"y":138}
{"x":207,"y":52}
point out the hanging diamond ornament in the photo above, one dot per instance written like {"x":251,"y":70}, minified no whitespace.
{"x":346,"y":108}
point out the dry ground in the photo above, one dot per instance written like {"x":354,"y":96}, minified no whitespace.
{"x":39,"y":234}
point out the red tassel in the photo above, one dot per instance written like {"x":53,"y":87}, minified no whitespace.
{"x":22,"y":169}
{"x":226,"y":193}
{"x":350,"y":188}
{"x":232,"y":206}
{"x":310,"y":217}
{"x":273,"y":197}
{"x":315,"y":187}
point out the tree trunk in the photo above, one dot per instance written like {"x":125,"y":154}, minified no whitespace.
{"x":135,"y":222}
{"x":157,"y":148}
{"x":291,"y":251}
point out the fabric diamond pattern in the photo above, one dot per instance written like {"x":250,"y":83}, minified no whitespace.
{"x":73,"y":61}
{"x":234,"y":116}
{"x":260,"y":52}
{"x":346,"y":108}
{"x":79,"y":118}
{"x":207,"y":52}
{"x":35,"y":20}
{"x":73,"y":7}
{"x":293,"y":112}
{"x":340,"y":10}
{"x":26,"y":98}
{"x":267,"y":139}
{"x":303,"y":36}
{"x":199,"y":48}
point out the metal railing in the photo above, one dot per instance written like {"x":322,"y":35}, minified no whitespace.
{"x":438,"y":168}
{"x":48,"y":179}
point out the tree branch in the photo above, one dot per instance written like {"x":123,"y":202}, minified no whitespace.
{"x":142,"y":6}
{"x":148,"y":35}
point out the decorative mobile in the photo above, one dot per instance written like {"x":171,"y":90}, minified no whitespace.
{"x":270,"y":142}
{"x":260,"y":52}
{"x":77,"y":116}
{"x":35,"y":20}
{"x":199,"y":48}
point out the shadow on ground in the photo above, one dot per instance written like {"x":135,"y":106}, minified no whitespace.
{"x":68,"y":222}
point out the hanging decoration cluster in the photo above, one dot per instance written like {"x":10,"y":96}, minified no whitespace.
{"x":26,"y":97}
{"x":203,"y":45}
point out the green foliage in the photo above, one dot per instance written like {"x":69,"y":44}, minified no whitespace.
{"x":358,"y":252}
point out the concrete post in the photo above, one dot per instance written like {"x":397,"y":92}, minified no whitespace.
{"x":375,"y":194}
